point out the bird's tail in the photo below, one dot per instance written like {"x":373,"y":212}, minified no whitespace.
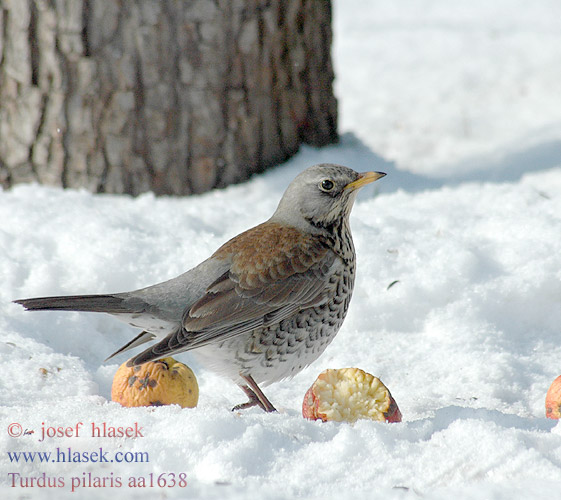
{"x":91,"y":303}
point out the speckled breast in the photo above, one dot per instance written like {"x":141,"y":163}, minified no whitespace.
{"x":284,"y":349}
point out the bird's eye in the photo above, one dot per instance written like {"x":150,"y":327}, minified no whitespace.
{"x":327,"y":185}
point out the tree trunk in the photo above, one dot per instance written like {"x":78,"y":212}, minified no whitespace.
{"x":171,"y":96}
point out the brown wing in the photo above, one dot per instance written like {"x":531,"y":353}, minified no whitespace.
{"x":274,"y":272}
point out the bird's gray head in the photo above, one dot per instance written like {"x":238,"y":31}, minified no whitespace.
{"x":321,"y":195}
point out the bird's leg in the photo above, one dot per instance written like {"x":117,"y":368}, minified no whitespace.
{"x":253,"y":399}
{"x":255,"y":395}
{"x":263,"y":402}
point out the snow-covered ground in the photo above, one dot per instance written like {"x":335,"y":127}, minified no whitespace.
{"x":459,"y":102}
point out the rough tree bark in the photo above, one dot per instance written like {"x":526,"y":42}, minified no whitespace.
{"x":173,"y":96}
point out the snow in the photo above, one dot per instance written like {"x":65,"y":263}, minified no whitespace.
{"x":458,"y":102}
{"x":439,"y":86}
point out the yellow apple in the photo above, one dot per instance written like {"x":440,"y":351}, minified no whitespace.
{"x":157,"y":383}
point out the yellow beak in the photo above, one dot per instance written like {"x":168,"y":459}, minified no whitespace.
{"x":364,"y":178}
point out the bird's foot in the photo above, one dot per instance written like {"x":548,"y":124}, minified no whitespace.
{"x":252,"y":402}
{"x":255,"y":395}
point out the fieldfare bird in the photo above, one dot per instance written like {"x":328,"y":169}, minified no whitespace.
{"x":266,"y":304}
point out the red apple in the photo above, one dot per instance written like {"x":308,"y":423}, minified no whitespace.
{"x":347,"y":395}
{"x":553,"y":400}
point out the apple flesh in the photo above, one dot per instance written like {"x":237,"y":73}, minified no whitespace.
{"x":156,"y":383}
{"x":553,"y":400}
{"x":347,"y":395}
